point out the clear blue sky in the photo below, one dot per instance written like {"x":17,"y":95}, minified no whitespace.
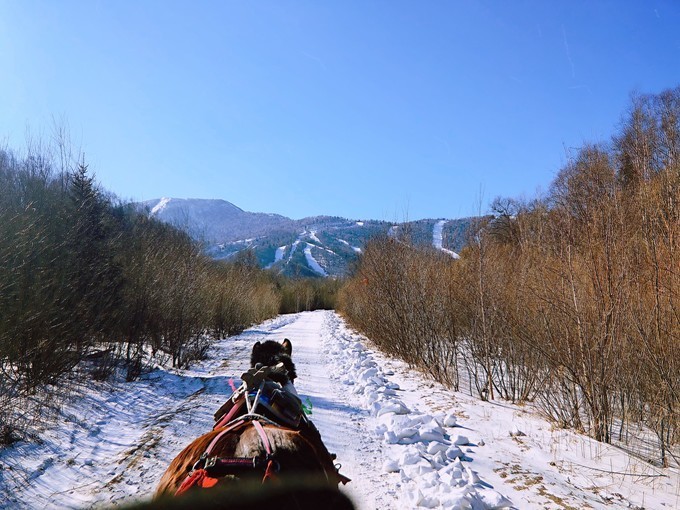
{"x":364,"y":109}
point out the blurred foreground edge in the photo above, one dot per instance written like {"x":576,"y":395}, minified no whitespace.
{"x":289,"y":496}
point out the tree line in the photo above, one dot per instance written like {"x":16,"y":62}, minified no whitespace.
{"x":570,"y":300}
{"x":89,"y":280}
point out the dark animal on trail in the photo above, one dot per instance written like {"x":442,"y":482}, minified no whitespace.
{"x":271,"y":353}
{"x":261,"y":437}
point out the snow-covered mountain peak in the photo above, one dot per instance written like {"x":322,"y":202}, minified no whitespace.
{"x":330,"y":244}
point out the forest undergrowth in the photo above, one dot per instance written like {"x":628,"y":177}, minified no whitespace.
{"x":92,"y":286}
{"x":569,"y":300}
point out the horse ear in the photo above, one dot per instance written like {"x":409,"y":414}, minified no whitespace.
{"x":256,"y":347}
{"x":287,"y":346}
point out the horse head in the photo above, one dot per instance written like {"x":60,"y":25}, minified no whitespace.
{"x":271,"y":353}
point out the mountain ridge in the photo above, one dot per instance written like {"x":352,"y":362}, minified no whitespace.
{"x":314,"y":246}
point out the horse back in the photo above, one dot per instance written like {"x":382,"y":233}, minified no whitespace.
{"x":296,"y":455}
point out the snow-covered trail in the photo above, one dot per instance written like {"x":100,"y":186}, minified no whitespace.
{"x":335,"y":411}
{"x":404,"y":441}
{"x":115,"y":440}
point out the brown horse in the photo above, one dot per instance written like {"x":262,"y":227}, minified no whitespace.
{"x":252,"y":448}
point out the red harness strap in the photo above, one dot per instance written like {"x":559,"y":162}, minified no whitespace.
{"x":201,"y":477}
{"x":197,"y":477}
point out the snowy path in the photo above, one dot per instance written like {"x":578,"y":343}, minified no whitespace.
{"x":341,"y":421}
{"x":405,"y":442}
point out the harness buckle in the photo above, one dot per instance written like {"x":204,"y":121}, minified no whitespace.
{"x":210,"y":462}
{"x":197,"y":464}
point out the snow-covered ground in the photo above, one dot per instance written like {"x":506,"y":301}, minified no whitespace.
{"x":404,"y":441}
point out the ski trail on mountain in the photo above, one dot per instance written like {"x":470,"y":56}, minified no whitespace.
{"x":438,"y":239}
{"x":312,"y":262}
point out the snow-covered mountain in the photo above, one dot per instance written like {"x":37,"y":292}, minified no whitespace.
{"x":216,"y":221}
{"x":314,"y":246}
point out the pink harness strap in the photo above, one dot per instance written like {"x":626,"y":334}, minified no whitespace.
{"x":263,"y":435}
{"x":229,"y":416}
{"x":226,"y":430}
{"x":200,"y":476}
{"x":272,"y":465}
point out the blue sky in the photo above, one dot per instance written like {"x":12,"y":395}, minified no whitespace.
{"x":364,"y":109}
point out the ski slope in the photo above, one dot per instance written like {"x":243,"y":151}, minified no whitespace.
{"x":404,"y":441}
{"x":438,"y":239}
{"x":312,"y":262}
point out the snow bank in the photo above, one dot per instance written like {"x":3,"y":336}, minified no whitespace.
{"x":423,"y":451}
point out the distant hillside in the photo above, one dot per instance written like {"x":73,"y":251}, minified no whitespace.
{"x":216,"y":221}
{"x":314,"y":246}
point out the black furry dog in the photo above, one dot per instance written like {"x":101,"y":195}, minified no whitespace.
{"x":271,"y":353}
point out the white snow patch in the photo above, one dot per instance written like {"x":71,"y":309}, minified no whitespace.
{"x":437,"y":239}
{"x":278,"y":255}
{"x":159,"y":206}
{"x":311,"y":261}
{"x":355,"y":248}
